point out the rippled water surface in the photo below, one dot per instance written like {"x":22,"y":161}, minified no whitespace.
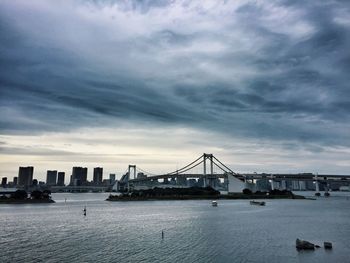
{"x":194,"y":230}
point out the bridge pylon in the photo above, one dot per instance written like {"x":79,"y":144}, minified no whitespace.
{"x":132,"y":167}
{"x":207,"y":179}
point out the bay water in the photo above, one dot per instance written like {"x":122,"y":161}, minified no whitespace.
{"x":194,"y":231}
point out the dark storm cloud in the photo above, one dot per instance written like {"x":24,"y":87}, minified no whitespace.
{"x":277,"y":70}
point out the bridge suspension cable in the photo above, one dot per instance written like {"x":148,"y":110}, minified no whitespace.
{"x":217,"y":165}
{"x":189,"y":168}
{"x":144,"y":171}
{"x":181,"y":170}
{"x":225,"y":166}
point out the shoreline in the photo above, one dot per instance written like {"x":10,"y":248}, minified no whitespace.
{"x":114,"y":198}
{"x":26,"y":201}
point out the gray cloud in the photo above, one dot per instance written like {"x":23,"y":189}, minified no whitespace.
{"x":277,"y":70}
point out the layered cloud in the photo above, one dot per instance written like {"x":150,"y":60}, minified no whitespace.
{"x":271,"y":71}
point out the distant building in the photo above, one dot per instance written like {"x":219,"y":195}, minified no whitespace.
{"x":98,"y":174}
{"x":4,"y":181}
{"x":141,"y":176}
{"x":60,"y":178}
{"x":295,"y":185}
{"x":173,"y":181}
{"x":79,"y":176}
{"x":35,"y":182}
{"x":106,"y":182}
{"x":200,"y":182}
{"x":302,"y":185}
{"x":289,"y":185}
{"x":15,"y":180}
{"x":299,"y":185}
{"x":192,"y":182}
{"x":310,"y":186}
{"x":51,"y":177}
{"x":180,"y":180}
{"x":263,"y":185}
{"x":112,"y":178}
{"x":25,"y":176}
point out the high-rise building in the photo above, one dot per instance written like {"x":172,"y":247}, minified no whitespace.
{"x":4,"y":181}
{"x":15,"y":180}
{"x":98,"y":174}
{"x":79,"y":176}
{"x":51,"y":177}
{"x":25,"y":176}
{"x":60,"y":178}
{"x":112,"y":178}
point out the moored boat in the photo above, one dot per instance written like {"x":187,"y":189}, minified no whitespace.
{"x":262,"y":203}
{"x":214,"y":203}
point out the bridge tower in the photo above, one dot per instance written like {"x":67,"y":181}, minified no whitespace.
{"x":208,"y":180}
{"x":133,"y":168}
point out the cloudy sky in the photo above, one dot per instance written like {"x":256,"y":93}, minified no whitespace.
{"x":263,"y":85}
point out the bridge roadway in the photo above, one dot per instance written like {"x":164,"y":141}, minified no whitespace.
{"x":70,"y":188}
{"x":156,"y":177}
{"x":289,"y":177}
{"x":300,"y":177}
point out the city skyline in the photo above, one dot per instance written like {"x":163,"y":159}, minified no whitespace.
{"x":262,"y":85}
{"x":26,"y":175}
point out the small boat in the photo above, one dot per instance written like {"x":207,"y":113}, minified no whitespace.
{"x":214,"y":203}
{"x":262,"y":203}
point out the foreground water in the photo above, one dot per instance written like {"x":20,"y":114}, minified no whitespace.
{"x":194,"y":230}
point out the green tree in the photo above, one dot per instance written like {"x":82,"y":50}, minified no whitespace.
{"x":36,"y":194}
{"x":19,"y":194}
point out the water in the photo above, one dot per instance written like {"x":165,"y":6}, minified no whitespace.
{"x":194,"y":231}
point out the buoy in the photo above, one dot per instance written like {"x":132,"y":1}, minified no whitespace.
{"x":84,"y":211}
{"x":162,"y":234}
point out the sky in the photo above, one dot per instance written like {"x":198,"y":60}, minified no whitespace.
{"x":263,"y":85}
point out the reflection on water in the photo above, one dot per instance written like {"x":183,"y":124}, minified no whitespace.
{"x":194,"y":231}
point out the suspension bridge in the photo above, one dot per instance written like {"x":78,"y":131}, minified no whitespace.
{"x":137,"y":178}
{"x":222,"y":178}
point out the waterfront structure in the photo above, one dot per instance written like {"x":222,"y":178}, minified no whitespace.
{"x":51,"y":177}
{"x":60,"y":178}
{"x":98,"y":175}
{"x":79,"y":176}
{"x":25,"y":176}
